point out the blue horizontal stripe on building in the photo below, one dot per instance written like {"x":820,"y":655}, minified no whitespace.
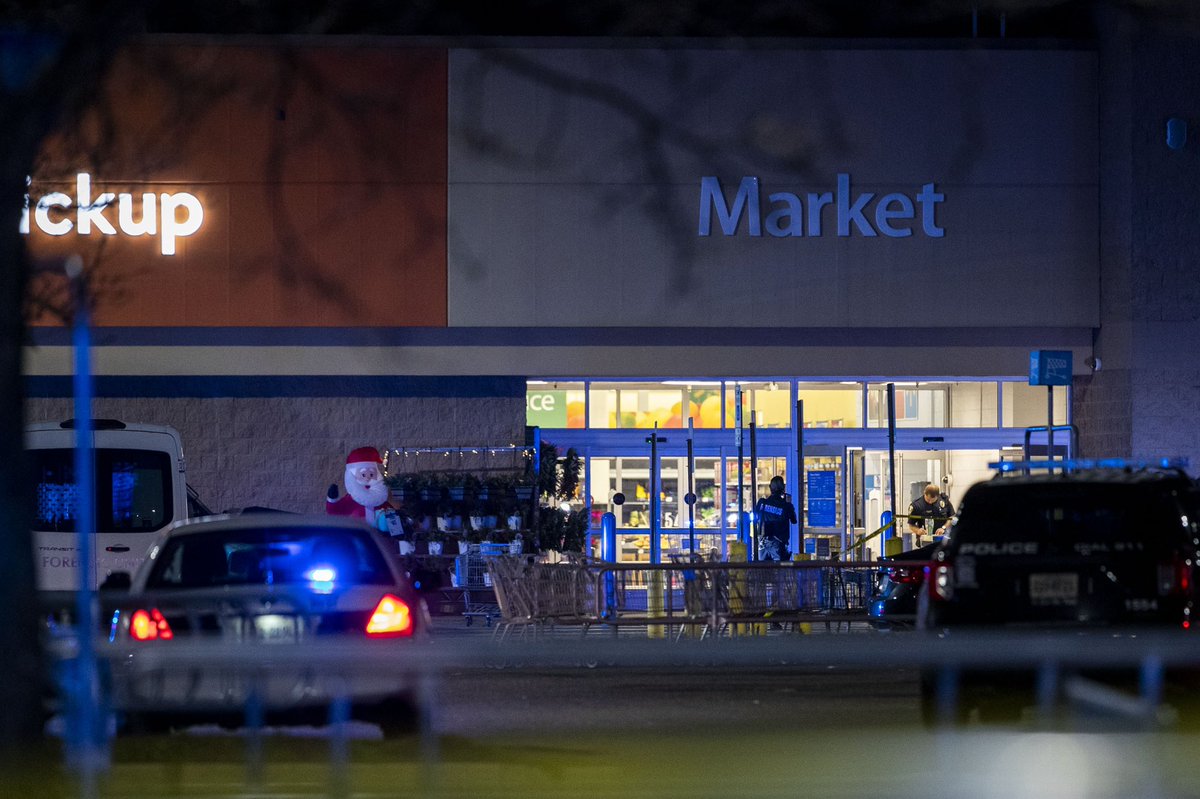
{"x":280,"y":386}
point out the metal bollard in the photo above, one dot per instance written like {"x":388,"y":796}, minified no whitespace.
{"x":608,"y":553}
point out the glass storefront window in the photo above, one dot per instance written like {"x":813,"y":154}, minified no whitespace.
{"x":917,"y":404}
{"x":935,"y":404}
{"x":1025,"y":405}
{"x":769,"y":402}
{"x":631,"y":477}
{"x":554,"y":405}
{"x":973,"y":404}
{"x":641,"y":405}
{"x":767,"y":468}
{"x":822,"y":492}
{"x":831,"y":404}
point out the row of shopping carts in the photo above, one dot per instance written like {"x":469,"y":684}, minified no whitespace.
{"x":472,"y":583}
{"x":699,"y":597}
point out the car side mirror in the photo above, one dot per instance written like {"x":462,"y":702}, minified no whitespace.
{"x":117,"y":581}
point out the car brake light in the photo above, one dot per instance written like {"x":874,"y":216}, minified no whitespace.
{"x":941,"y":585}
{"x":149,"y":625}
{"x":905,"y":575}
{"x":1175,"y":577}
{"x":391,"y":618}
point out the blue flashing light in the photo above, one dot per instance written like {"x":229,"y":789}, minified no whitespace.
{"x":113,"y":625}
{"x":321,"y":579}
{"x":1073,"y":464}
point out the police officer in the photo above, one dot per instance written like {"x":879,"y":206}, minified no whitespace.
{"x":929,"y":512}
{"x":774,"y":516}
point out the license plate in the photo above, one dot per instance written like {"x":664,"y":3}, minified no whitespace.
{"x":275,"y":629}
{"x":1054,"y":589}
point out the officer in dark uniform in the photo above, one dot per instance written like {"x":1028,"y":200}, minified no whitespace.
{"x":929,"y":513}
{"x":774,"y":516}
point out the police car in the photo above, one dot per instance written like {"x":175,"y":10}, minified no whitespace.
{"x":1078,"y":546}
{"x":289,"y":610}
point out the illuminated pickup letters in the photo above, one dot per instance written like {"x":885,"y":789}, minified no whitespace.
{"x":892,"y":213}
{"x":169,"y":216}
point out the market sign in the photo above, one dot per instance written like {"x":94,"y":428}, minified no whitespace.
{"x":169,"y":216}
{"x":787,"y":215}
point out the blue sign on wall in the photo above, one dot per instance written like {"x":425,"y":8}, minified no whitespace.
{"x":1050,"y":368}
{"x":822,"y":499}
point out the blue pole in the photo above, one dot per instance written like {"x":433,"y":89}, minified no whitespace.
{"x":608,"y":553}
{"x":86,"y":733}
{"x":741,"y":510}
{"x":655,"y":507}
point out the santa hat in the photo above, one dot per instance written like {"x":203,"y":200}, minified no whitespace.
{"x":363,"y":455}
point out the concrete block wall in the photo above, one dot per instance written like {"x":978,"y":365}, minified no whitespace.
{"x":284,"y":452}
{"x":1145,"y":401}
{"x":1102,"y":409}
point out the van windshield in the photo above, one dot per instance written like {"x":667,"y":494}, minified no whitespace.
{"x":133,"y":490}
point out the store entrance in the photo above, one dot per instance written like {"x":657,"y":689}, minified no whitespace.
{"x":868,"y":477}
{"x":841,"y":498}
{"x":709,"y":526}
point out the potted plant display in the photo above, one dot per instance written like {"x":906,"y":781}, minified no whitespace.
{"x":404,"y":487}
{"x":514,"y":520}
{"x":436,"y":540}
{"x":447,"y":519}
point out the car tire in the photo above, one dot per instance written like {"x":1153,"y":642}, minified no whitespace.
{"x":396,"y":716}
{"x":146,"y":724}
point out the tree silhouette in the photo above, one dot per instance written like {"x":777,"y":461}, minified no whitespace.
{"x":54,"y":58}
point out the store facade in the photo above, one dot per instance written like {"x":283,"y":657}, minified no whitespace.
{"x":945,"y":433}
{"x":436,"y":246}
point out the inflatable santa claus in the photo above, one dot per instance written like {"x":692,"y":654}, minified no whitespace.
{"x":366,"y":493}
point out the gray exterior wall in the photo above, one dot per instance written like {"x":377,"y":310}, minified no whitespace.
{"x":284,"y":452}
{"x":1145,"y":401}
{"x":575,"y":187}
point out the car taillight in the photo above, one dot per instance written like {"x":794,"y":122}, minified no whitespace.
{"x":905,"y":575}
{"x":392,"y":618}
{"x":149,"y":625}
{"x":1175,"y":577}
{"x":940,"y":579}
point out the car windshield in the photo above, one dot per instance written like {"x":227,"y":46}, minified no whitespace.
{"x":323,"y":558}
{"x":1100,"y":513}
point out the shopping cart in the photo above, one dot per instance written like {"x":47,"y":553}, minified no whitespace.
{"x":472,"y":581}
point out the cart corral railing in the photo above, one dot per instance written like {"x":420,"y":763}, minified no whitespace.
{"x":698,"y":598}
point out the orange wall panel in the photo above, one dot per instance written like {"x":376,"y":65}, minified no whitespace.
{"x":321,"y":173}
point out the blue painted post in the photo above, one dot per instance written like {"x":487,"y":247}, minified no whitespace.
{"x":608,"y":553}
{"x":743,"y":537}
{"x":87,"y":733}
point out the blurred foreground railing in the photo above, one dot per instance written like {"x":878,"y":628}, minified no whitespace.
{"x":329,"y":667}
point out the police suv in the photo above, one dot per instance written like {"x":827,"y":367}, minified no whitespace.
{"x":1080,"y":549}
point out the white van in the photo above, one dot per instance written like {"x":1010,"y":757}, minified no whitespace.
{"x":140,"y":490}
